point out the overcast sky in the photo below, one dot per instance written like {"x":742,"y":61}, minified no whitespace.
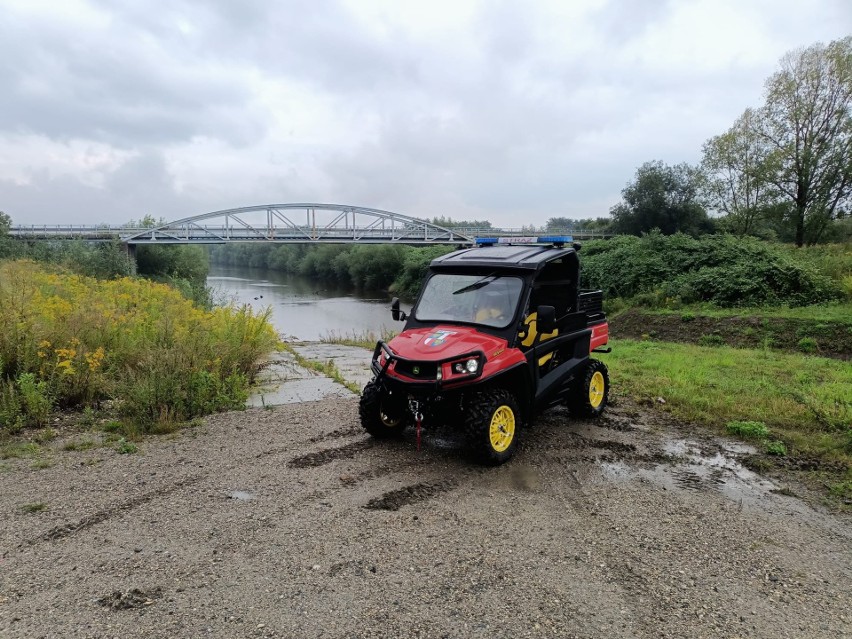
{"x":508,"y":111}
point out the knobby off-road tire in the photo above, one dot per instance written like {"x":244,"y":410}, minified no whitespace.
{"x":380,"y":416}
{"x":590,"y":393}
{"x":492,"y":423}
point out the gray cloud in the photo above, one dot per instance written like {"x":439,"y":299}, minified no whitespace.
{"x":512,"y":114}
{"x":116,"y":87}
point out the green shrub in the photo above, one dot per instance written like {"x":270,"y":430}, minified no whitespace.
{"x":721,"y":269}
{"x":711,"y":340}
{"x":846,"y":286}
{"x":687,"y":317}
{"x":125,"y":447}
{"x":112,"y":426}
{"x":807,"y":345}
{"x":35,"y":399}
{"x":748,"y":430}
{"x":776,"y":447}
{"x":11,"y":411}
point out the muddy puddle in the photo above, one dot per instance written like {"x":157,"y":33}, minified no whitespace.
{"x":683,"y":464}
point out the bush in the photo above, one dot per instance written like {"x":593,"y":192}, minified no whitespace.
{"x":748,"y":430}
{"x":11,"y":411}
{"x":807,"y":345}
{"x":74,"y":341}
{"x":776,"y":447}
{"x":35,"y":399}
{"x":711,"y":340}
{"x":721,"y":269}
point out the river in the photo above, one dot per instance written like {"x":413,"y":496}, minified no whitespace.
{"x":301,"y":308}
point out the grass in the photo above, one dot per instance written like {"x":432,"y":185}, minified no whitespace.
{"x":83,"y":444}
{"x":805,"y":401}
{"x":20,"y":450}
{"x":35,"y":507}
{"x":839,"y":312}
{"x":327,"y":368}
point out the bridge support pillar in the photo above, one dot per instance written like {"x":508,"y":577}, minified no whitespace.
{"x":131,"y":251}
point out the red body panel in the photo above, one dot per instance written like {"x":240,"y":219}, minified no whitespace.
{"x":600,"y":335}
{"x":447,"y":341}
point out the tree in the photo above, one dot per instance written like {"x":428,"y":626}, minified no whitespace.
{"x":662,"y":197}
{"x":5,"y":223}
{"x":558,"y":223}
{"x":450,"y":223}
{"x":736,"y":182}
{"x":806,"y":127}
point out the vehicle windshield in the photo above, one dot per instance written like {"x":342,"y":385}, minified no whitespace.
{"x":489,"y":300}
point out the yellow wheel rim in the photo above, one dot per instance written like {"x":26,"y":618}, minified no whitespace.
{"x":502,"y":430}
{"x":596,"y":389}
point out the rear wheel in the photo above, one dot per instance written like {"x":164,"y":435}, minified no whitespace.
{"x":590,"y":393}
{"x":492,"y":423}
{"x":382,"y":415}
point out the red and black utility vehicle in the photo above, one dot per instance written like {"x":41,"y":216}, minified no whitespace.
{"x":499,"y":333}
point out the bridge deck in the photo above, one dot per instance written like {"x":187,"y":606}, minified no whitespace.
{"x":316,"y":223}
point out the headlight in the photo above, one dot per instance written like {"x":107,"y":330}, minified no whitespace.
{"x":467,"y":367}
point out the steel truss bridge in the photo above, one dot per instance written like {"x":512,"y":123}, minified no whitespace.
{"x":280,"y":223}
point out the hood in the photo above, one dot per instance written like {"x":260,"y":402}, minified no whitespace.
{"x":444,"y":341}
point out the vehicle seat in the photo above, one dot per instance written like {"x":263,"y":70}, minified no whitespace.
{"x":529,"y":333}
{"x":487,"y":313}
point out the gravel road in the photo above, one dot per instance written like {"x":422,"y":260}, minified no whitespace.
{"x":293,"y":523}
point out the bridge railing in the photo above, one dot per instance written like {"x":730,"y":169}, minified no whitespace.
{"x":202,"y":233}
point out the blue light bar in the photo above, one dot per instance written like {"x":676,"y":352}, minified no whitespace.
{"x":556,"y":239}
{"x":545,"y":239}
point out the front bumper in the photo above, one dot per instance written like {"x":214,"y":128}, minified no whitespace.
{"x":386,"y":362}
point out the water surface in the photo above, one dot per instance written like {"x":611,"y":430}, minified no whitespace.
{"x":303,"y":309}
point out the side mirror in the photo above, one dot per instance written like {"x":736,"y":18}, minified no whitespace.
{"x":395,"y":312}
{"x":546,"y":322}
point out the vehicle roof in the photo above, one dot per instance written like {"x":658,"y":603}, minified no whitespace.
{"x":505,"y":256}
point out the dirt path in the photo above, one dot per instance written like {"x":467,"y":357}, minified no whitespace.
{"x":292,"y":523}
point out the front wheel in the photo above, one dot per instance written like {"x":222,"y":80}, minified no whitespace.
{"x":492,"y":425}
{"x":381,"y":415}
{"x":590,"y":393}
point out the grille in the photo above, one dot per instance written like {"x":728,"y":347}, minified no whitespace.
{"x":425,"y":370}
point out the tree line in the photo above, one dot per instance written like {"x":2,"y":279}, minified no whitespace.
{"x":183,"y":267}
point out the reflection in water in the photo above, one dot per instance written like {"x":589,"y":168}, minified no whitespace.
{"x":301,"y":308}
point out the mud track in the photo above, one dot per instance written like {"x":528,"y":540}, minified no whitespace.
{"x":293,"y":523}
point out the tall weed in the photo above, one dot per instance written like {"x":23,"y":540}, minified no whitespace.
{"x":73,"y":341}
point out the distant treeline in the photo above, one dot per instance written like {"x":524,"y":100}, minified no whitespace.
{"x":388,"y":267}
{"x":724,"y":270}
